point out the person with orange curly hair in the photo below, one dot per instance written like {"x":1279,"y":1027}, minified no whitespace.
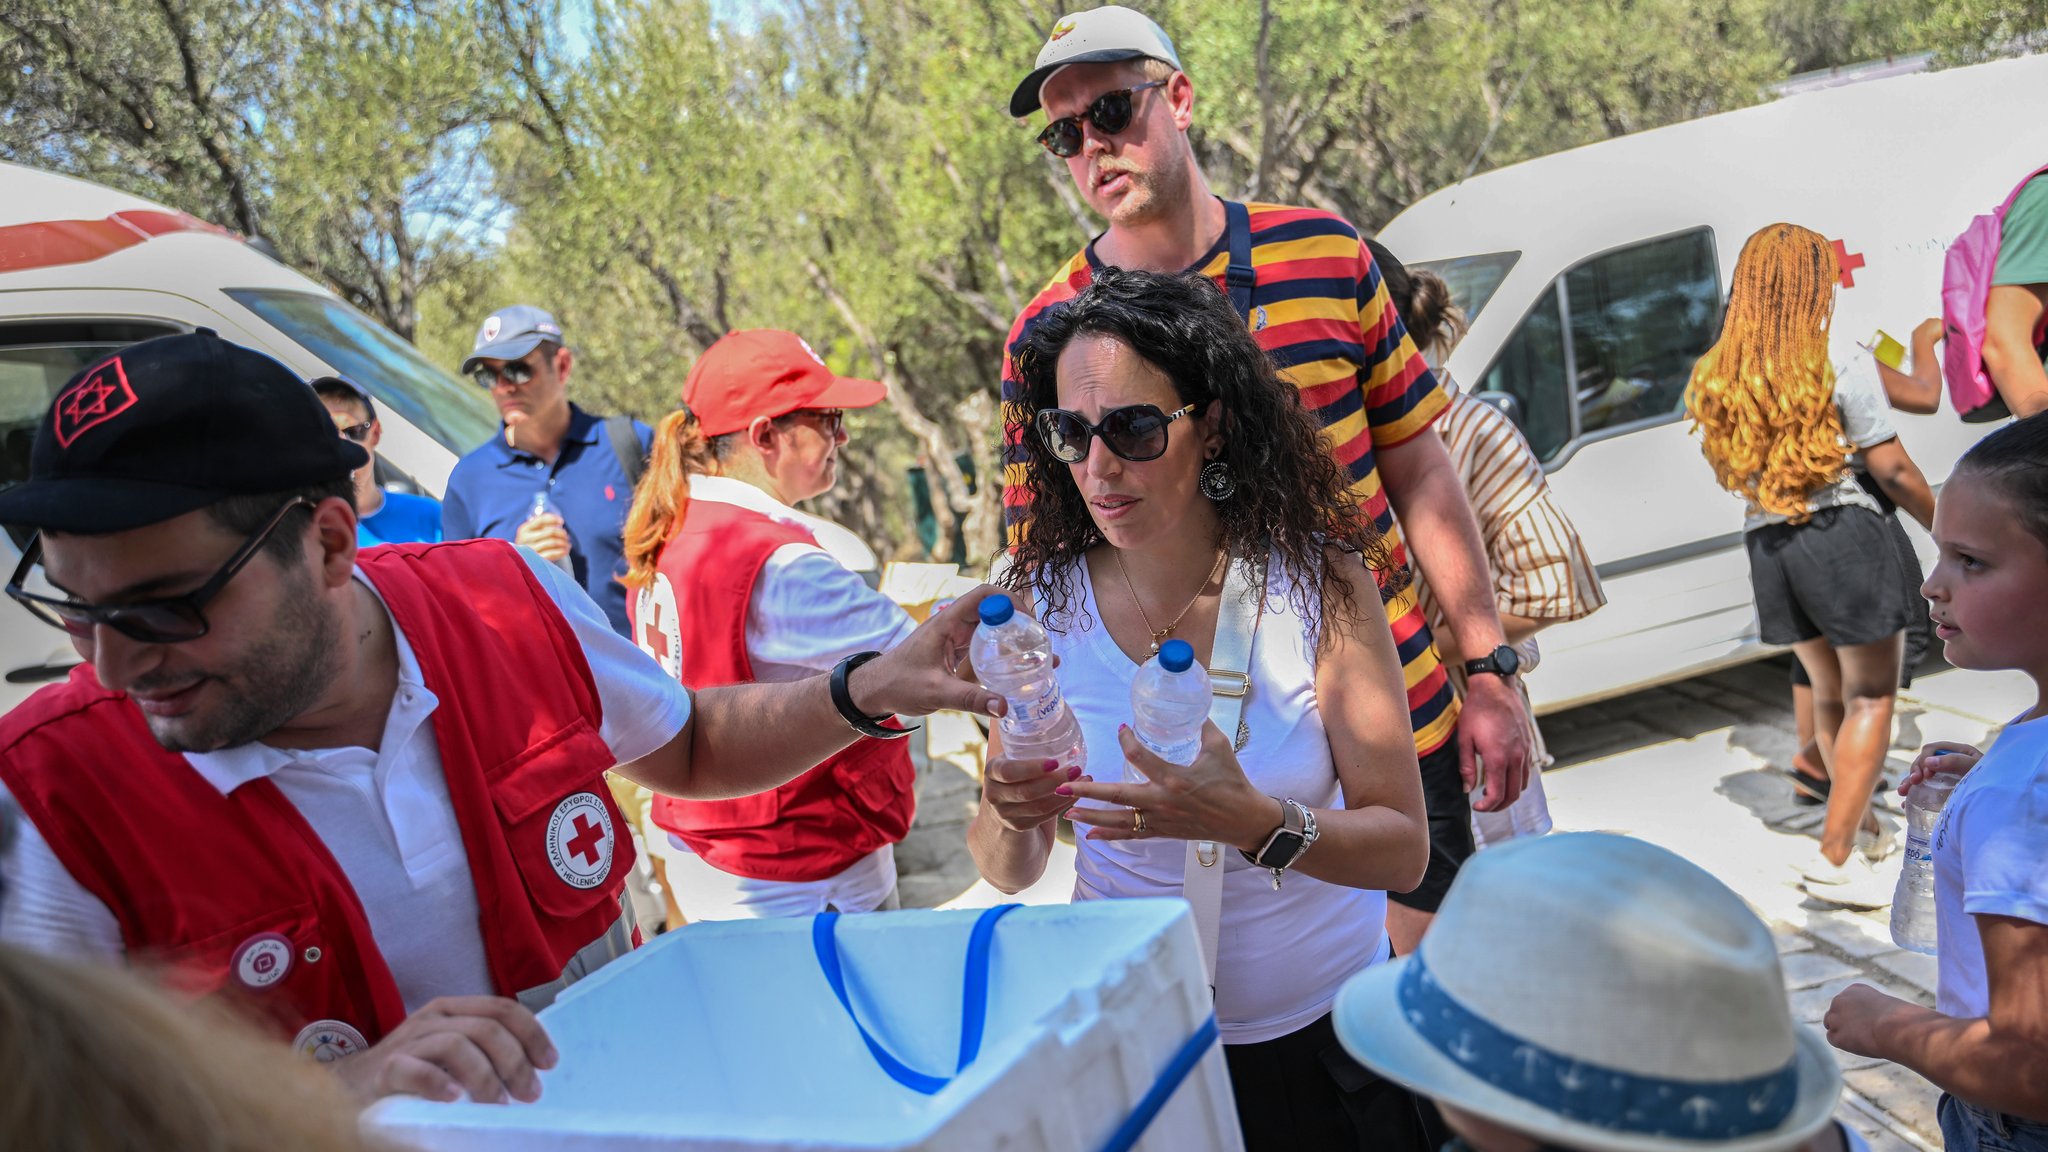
{"x":1787,"y":417}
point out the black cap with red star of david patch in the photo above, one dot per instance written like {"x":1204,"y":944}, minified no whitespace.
{"x":169,"y":426}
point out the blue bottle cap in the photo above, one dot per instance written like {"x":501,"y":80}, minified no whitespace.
{"x":997,"y":610}
{"x":1176,"y":656}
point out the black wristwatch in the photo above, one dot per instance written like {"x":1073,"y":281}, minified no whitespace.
{"x":1296,"y":832}
{"x":1502,"y":661}
{"x":842,"y":699}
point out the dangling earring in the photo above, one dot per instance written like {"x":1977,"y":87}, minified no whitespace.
{"x":1217,"y":482}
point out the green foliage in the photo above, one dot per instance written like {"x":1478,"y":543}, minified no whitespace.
{"x":842,"y":168}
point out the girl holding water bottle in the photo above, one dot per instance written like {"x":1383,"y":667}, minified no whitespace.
{"x":1165,"y":450}
{"x":1985,"y":1043}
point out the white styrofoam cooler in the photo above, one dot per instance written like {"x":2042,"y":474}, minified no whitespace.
{"x":727,"y":1036}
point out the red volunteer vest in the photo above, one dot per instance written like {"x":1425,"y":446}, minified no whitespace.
{"x":816,"y":825}
{"x":238,"y":896}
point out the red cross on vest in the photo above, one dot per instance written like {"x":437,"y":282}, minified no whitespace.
{"x":652,"y":639}
{"x":585,"y":842}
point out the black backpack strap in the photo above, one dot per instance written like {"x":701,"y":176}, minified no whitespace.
{"x":1239,"y":278}
{"x":626,"y":446}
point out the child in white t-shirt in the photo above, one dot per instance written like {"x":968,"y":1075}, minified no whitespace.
{"x":1986,"y":1043}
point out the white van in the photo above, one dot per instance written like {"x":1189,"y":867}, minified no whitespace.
{"x":1596,"y":277}
{"x":85,"y":270}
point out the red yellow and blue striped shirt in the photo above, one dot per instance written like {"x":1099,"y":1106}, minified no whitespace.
{"x":1322,"y":313}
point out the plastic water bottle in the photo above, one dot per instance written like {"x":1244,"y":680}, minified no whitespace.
{"x":544,"y":505}
{"x":1913,"y":917}
{"x":1169,"y":703}
{"x":1013,"y":658}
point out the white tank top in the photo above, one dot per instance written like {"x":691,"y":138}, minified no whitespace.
{"x":1281,"y":955}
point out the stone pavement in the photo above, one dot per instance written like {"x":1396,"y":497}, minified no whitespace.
{"x":1692,"y":766}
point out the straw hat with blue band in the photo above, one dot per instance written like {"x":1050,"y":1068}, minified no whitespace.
{"x":1597,"y":992}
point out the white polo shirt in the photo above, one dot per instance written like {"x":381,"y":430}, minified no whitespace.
{"x":810,"y":607}
{"x":385,"y":816}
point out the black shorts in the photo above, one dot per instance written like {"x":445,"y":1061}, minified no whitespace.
{"x":1837,"y":576}
{"x":1450,"y":828}
{"x":1919,"y":629}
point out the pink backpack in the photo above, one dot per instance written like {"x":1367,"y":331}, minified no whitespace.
{"x":1965,"y":285}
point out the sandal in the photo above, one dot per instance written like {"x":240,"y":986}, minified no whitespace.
{"x":1809,"y":791}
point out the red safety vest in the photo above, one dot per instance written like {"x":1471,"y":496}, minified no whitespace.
{"x":237,"y":895}
{"x":818,"y":824}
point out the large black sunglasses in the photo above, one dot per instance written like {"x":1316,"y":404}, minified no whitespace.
{"x":1111,"y":114}
{"x":514,"y":373}
{"x":1136,"y":432}
{"x":169,"y":620}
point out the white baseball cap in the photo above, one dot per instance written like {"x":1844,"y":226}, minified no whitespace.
{"x":1097,"y":36}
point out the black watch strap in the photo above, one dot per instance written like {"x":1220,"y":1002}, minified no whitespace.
{"x":842,"y":699}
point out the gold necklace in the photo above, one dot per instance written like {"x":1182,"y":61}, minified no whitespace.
{"x":1160,"y":634}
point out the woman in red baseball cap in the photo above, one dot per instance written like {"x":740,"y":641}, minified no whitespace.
{"x":770,"y":594}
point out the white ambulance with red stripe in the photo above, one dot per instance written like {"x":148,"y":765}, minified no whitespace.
{"x":1595,"y":278}
{"x":85,"y":269}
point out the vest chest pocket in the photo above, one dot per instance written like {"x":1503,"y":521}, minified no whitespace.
{"x":276,"y":963}
{"x":877,"y":782}
{"x":561,"y":825}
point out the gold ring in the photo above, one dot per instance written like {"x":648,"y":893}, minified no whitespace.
{"x":1138,"y":815}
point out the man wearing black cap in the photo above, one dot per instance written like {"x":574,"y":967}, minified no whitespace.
{"x":363,"y":795}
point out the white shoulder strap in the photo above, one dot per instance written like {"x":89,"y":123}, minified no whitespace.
{"x":1230,"y":662}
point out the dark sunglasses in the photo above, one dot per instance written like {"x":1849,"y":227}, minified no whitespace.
{"x":515,"y":373}
{"x":358,"y":432}
{"x":830,"y":421}
{"x":170,"y":620}
{"x":1111,"y":114}
{"x":1136,"y":432}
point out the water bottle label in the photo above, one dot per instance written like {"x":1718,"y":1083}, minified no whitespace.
{"x":1029,"y":711}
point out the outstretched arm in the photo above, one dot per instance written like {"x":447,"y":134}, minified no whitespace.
{"x":749,"y":738}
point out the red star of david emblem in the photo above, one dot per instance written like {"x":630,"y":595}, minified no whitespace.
{"x":91,"y":402}
{"x":588,"y":837}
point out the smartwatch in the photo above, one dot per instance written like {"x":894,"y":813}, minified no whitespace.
{"x":1502,"y":661}
{"x":1296,"y":832}
{"x":842,"y":699}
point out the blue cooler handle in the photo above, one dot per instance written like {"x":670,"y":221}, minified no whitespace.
{"x":974,"y":1019}
{"x":973,"y":1008}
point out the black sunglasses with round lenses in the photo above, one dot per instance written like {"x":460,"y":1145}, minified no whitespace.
{"x":1111,"y":114}
{"x":169,"y":620}
{"x":1136,"y":432}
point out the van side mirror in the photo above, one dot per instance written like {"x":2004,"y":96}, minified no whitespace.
{"x":1507,"y":403}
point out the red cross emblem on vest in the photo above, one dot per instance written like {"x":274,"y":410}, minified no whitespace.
{"x":102,"y":395}
{"x":581,"y":840}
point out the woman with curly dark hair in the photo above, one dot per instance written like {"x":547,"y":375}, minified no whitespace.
{"x":1165,"y":450}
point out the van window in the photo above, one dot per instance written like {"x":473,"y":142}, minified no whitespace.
{"x":454,"y":412}
{"x":1472,"y":279}
{"x":1624,"y":328}
{"x":1531,"y":368}
{"x":1640,"y":318}
{"x":36,"y":361}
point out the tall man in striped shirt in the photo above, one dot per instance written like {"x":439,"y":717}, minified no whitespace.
{"x":1118,"y":109}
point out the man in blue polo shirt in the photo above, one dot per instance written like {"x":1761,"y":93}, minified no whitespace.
{"x":582,"y":465}
{"x":382,"y":516}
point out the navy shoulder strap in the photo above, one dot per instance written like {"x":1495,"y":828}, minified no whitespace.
{"x":1238,"y":277}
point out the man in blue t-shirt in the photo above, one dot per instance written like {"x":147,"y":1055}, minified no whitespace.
{"x":547,"y":450}
{"x":382,"y":517}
